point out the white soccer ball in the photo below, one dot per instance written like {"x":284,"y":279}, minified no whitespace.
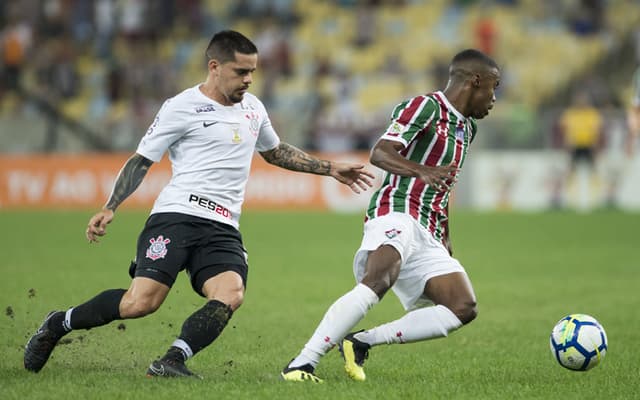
{"x":578,"y":342}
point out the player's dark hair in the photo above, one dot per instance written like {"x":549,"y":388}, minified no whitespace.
{"x":224,"y":45}
{"x":474,"y":56}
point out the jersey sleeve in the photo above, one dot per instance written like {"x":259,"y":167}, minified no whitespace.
{"x":268,"y":139}
{"x":409,"y":118}
{"x":167,"y":127}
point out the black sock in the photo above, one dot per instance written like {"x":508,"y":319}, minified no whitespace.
{"x":175,"y":354}
{"x":98,"y":311}
{"x":203,"y":327}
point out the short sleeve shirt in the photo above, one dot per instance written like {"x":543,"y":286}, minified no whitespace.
{"x":210,"y":147}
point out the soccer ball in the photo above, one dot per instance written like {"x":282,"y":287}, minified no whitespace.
{"x":578,"y":342}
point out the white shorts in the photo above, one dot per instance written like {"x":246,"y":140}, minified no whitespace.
{"x":423,"y":257}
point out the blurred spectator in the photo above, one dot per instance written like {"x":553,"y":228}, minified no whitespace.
{"x":586,"y":18}
{"x":281,"y":10}
{"x":274,"y":48}
{"x":613,"y":152}
{"x":104,"y":16}
{"x":275,"y":58}
{"x":486,"y":33}
{"x":581,"y":125}
{"x":366,"y":25}
{"x":15,"y":41}
{"x":81,"y":24}
{"x":131,"y":17}
{"x":62,"y":74}
{"x":54,"y":21}
{"x":336,"y":122}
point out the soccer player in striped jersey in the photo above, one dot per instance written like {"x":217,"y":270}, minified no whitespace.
{"x":406,"y":245}
{"x":210,"y":132}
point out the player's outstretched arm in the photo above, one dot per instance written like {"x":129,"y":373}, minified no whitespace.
{"x":386,"y":155}
{"x":291,"y":158}
{"x":128,"y":180}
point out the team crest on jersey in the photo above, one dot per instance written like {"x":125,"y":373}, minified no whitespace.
{"x":158,"y":247}
{"x":236,"y":139}
{"x":253,"y":123}
{"x":391,"y":233}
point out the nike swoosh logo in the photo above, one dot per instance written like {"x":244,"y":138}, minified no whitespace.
{"x":157,"y":371}
{"x":208,"y":124}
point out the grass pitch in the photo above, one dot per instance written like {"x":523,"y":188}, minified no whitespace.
{"x":528,"y":271}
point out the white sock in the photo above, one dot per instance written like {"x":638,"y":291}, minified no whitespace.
{"x":421,"y":324}
{"x":338,"y":321}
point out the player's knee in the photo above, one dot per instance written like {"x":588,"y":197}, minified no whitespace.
{"x":233,"y":298}
{"x":138,"y":307}
{"x":236,"y":300}
{"x":378,"y":286}
{"x":466,"y":311}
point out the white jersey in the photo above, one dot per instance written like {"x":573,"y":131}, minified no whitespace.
{"x":210,"y":147}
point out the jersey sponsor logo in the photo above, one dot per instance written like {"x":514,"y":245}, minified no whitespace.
{"x":253,"y":123}
{"x":391,"y":233}
{"x":158,"y":247}
{"x":208,"y":124}
{"x":460,"y":133}
{"x":209,"y":205}
{"x":207,"y":108}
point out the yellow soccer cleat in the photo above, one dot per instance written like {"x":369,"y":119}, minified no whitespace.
{"x":300,"y":374}
{"x":354,"y":353}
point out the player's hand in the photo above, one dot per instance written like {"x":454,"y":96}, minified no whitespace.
{"x":98,"y":225}
{"x":352,"y":175}
{"x":441,"y":177}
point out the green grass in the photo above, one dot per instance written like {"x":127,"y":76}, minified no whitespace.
{"x":528,"y":270}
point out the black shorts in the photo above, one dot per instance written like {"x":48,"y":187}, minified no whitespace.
{"x":171,"y":242}
{"x":582,"y":154}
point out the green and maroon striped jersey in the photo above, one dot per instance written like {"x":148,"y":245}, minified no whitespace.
{"x":434,"y":133}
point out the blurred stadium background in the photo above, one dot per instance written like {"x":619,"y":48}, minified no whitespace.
{"x":82,"y":80}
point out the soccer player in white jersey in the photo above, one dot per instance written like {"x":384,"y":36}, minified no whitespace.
{"x":406,"y":245}
{"x":210,"y":132}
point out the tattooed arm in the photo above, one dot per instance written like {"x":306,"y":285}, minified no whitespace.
{"x":289,"y":157}
{"x":128,"y":180}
